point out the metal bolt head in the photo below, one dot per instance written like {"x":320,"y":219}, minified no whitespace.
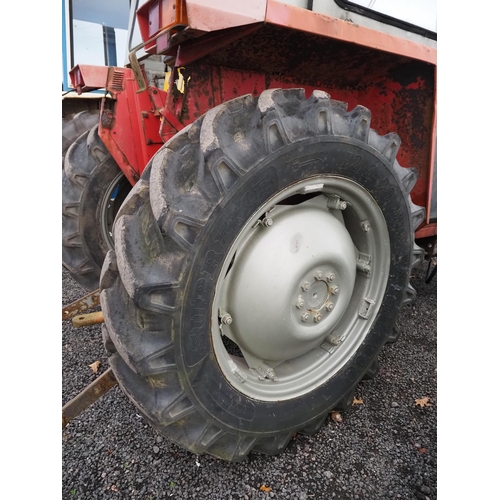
{"x":330,"y":277}
{"x":304,"y":317}
{"x":329,"y":306}
{"x":334,"y":289}
{"x":317,"y":318}
{"x":305,"y":286}
{"x":226,"y":319}
{"x":300,"y":302}
{"x":336,"y":203}
{"x":318,"y":274}
{"x":365,"y":225}
{"x":268,"y":222}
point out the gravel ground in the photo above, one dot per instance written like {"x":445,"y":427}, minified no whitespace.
{"x":384,"y":447}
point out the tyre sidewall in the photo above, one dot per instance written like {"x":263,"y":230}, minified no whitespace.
{"x":91,"y":208}
{"x":200,"y":374}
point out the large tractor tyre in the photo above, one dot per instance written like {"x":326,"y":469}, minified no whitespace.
{"x":74,"y":125}
{"x":259,"y":267}
{"x":93,"y":189}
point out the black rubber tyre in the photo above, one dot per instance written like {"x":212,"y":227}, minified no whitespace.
{"x":93,"y":189}
{"x":176,"y":228}
{"x":74,"y":125}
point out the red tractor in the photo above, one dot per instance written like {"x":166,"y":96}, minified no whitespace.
{"x":252,"y":225}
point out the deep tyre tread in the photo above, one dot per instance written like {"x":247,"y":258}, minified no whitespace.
{"x":89,"y":171}
{"x":153,"y":283}
{"x":73,"y":126}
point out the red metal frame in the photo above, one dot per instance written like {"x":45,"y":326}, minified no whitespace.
{"x":160,"y":15}
{"x":394,"y":78}
{"x":85,"y":78}
{"x":129,"y":124}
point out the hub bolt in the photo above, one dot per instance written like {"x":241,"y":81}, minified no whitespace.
{"x":365,"y":225}
{"x":336,"y":203}
{"x":318,"y":318}
{"x":330,"y":277}
{"x":268,"y":222}
{"x":304,"y":317}
{"x":305,"y":286}
{"x":318,"y":275}
{"x":300,"y":302}
{"x":329,"y":306}
{"x":225,"y":318}
{"x":334,"y":290}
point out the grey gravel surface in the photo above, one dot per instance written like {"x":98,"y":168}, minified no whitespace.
{"x":385,"y":447}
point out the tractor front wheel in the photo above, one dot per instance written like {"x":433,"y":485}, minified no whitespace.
{"x":93,"y":189}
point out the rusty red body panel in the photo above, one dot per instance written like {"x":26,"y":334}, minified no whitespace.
{"x":285,"y":47}
{"x":130,"y":122}
{"x":315,"y":23}
{"x":85,"y":77}
{"x":399,"y":91}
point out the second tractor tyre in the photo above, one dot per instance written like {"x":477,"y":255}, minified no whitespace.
{"x":74,"y":125}
{"x":259,"y":266}
{"x":93,"y":189}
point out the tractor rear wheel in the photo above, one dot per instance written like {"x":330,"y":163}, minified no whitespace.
{"x":93,"y":189}
{"x":259,"y":266}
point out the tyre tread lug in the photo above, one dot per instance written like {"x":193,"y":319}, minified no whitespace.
{"x":179,"y":408}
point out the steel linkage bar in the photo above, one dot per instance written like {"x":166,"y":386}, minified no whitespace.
{"x":88,"y":396}
{"x":87,"y":302}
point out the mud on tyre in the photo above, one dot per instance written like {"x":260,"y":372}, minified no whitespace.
{"x":259,"y":267}
{"x":93,"y":189}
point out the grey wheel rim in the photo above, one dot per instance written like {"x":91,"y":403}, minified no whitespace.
{"x":112,"y":200}
{"x":300,"y":288}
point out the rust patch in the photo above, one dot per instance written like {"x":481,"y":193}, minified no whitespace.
{"x":89,"y":301}
{"x":88,"y":396}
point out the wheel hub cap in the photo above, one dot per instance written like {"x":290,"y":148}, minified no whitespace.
{"x":269,"y":276}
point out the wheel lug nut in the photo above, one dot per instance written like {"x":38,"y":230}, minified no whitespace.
{"x":225,"y":318}
{"x":365,"y":225}
{"x":337,"y":203}
{"x":305,"y":286}
{"x":329,"y":306}
{"x":304,"y":317}
{"x":318,"y":318}
{"x":330,"y":277}
{"x":334,"y":290}
{"x":318,"y":275}
{"x":300,"y":302}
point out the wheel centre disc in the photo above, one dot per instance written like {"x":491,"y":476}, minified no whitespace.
{"x":279,"y":268}
{"x":291,"y":295}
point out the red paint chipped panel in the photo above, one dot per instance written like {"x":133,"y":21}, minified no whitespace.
{"x":207,"y":15}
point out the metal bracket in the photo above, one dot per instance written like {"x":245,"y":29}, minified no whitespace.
{"x":89,"y":301}
{"x":366,"y":308}
{"x":363,"y":264}
{"x":88,"y":396}
{"x":88,"y":319}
